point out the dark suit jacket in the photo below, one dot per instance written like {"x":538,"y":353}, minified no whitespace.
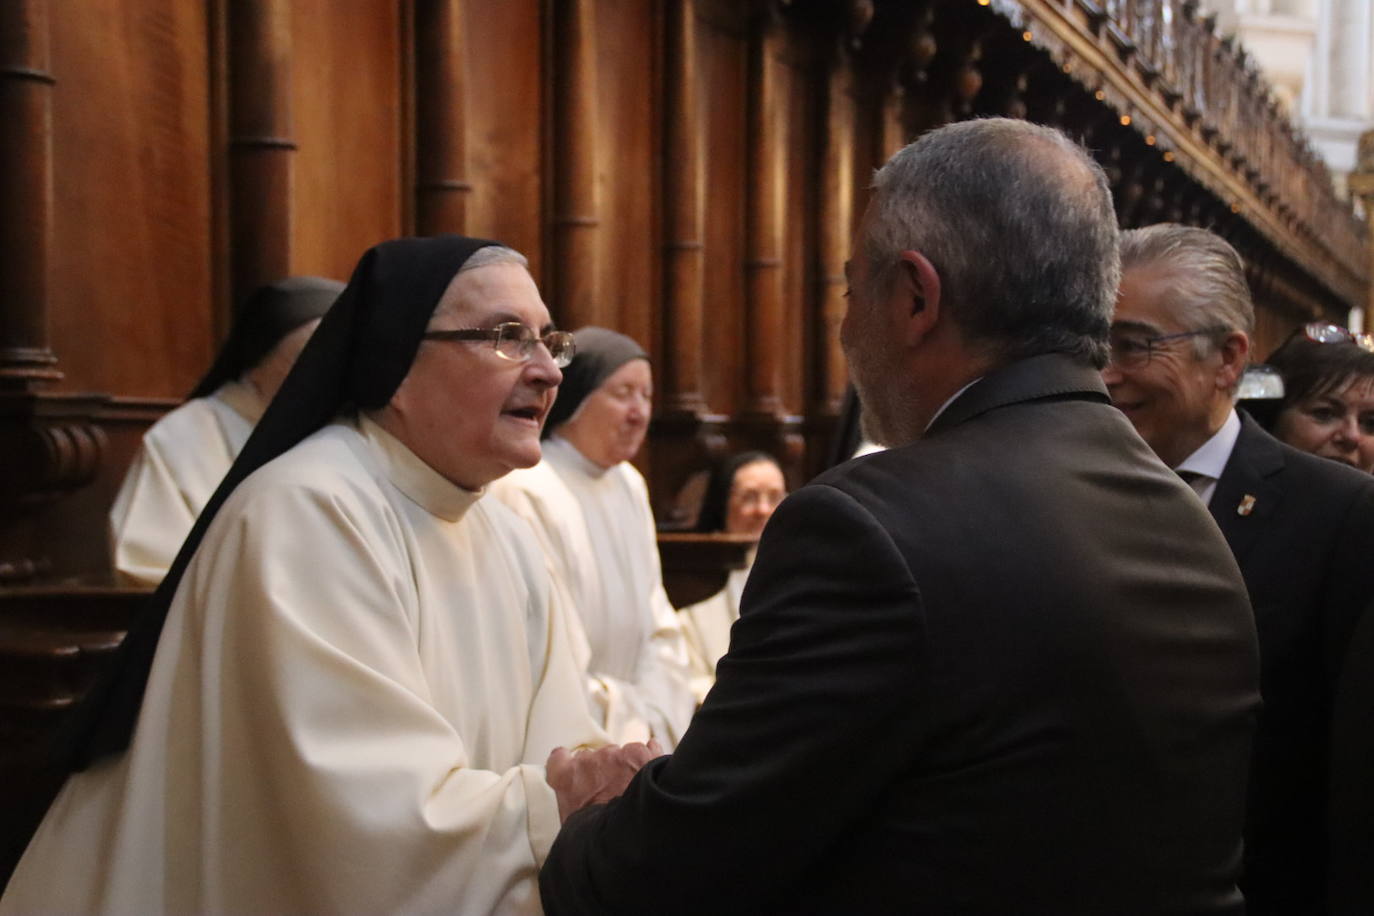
{"x":1306,"y":550}
{"x":1009,"y":668}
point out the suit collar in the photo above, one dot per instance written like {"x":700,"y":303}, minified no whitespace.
{"x":1249,"y":489}
{"x":1049,"y":375}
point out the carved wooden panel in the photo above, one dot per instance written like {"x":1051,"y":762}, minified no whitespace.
{"x":506,"y":127}
{"x":130,"y":303}
{"x":349,"y":190}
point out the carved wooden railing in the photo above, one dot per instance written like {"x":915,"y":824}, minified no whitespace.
{"x":1199,"y":100}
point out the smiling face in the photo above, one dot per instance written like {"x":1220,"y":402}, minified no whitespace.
{"x":610,"y":424}
{"x":1338,"y":424}
{"x":467,"y":412}
{"x":755,"y":492}
{"x":1177,"y":400}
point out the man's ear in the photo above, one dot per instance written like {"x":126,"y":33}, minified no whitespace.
{"x":920,"y":295}
{"x":1235,"y":355}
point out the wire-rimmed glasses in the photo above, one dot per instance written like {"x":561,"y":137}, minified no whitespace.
{"x":1326,"y":332}
{"x":515,"y":341}
{"x":1131,"y":350}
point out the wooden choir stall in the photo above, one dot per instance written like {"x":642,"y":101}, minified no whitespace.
{"x":688,"y":172}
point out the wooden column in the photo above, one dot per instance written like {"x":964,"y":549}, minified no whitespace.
{"x":260,"y":144}
{"x":683,"y":216}
{"x":764,"y":223}
{"x":686,"y":436}
{"x":441,"y":187}
{"x":26,"y":190}
{"x":834,"y":225}
{"x":576,"y":215}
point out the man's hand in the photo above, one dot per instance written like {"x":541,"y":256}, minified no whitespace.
{"x":589,"y":777}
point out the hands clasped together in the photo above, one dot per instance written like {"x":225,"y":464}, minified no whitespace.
{"x":590,"y":777}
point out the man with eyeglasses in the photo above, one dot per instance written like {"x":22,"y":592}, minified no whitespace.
{"x":1005,"y":666}
{"x":344,"y":696}
{"x":1301,"y":528}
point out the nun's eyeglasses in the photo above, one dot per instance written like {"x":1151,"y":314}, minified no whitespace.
{"x":515,"y":341}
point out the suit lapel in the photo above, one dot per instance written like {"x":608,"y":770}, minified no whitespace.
{"x":1046,"y":376}
{"x":1249,"y":489}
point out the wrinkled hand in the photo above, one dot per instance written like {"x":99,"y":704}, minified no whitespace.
{"x":590,"y":777}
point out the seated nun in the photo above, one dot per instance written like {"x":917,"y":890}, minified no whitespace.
{"x":185,"y":455}
{"x":741,"y":494}
{"x":590,"y":509}
{"x":343,"y":695}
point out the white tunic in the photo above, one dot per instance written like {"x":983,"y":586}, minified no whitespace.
{"x":707,"y":624}
{"x":181,"y":462}
{"x":597,"y":529}
{"x":358,"y":683}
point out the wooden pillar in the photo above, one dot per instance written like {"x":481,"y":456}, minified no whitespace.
{"x":683,"y":216}
{"x":834,"y":226}
{"x":576,"y":216}
{"x":260,"y":144}
{"x":26,"y":189}
{"x":441,"y":187}
{"x":764,"y":223}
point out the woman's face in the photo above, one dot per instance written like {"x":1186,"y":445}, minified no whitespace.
{"x":609,"y":426}
{"x":755,"y":492}
{"x":1338,"y":424}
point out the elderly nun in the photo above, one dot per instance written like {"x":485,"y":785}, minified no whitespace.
{"x":590,"y":509}
{"x":185,"y":455}
{"x":343,"y":695}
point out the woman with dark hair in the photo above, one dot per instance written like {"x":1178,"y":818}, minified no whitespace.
{"x":741,"y":494}
{"x":185,"y":455}
{"x":1328,"y":403}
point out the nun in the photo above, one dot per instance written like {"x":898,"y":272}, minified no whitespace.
{"x":589,"y":507}
{"x":185,"y":455}
{"x":343,"y":696}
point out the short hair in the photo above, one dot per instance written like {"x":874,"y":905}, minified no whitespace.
{"x":486,"y":257}
{"x":1311,"y":369}
{"x":1018,"y":221}
{"x":1208,"y":275}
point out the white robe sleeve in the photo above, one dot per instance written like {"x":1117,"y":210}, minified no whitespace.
{"x":149,"y":519}
{"x":376,"y":804}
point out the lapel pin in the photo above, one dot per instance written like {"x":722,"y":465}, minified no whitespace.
{"x":1247,"y":505}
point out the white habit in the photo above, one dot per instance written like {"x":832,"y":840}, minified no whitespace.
{"x":351,"y":704}
{"x":598,"y":531}
{"x":181,"y":462}
{"x":707,"y":624}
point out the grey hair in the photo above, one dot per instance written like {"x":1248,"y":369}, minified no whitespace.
{"x":482,"y":257}
{"x":494,"y":254}
{"x":1018,"y":221}
{"x":1208,"y":276}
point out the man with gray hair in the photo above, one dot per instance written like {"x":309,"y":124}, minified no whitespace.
{"x":1006,"y":666}
{"x":1302,"y":531}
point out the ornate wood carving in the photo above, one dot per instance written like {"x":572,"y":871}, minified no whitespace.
{"x":260,"y":143}
{"x":441,"y":186}
{"x":576,"y":212}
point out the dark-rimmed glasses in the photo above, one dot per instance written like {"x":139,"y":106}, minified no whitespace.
{"x":1326,"y":332}
{"x":515,"y":341}
{"x":1133,"y":350}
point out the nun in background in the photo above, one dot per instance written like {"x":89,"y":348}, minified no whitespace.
{"x":342,"y":697}
{"x":185,"y":455}
{"x":741,"y":494}
{"x":589,"y":507}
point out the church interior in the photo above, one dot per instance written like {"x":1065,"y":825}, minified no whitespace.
{"x":687,"y":172}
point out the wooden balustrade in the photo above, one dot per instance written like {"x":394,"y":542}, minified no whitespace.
{"x":1198,"y":98}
